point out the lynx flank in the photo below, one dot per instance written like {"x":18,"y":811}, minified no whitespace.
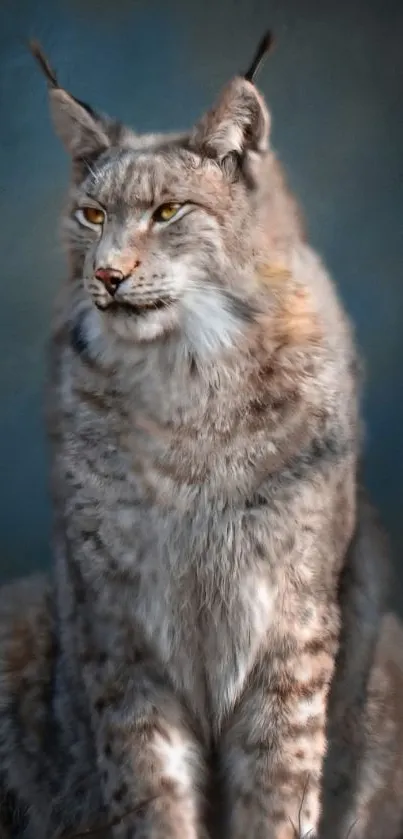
{"x":173,"y":676}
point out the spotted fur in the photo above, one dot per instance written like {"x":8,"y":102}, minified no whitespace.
{"x":203,"y":422}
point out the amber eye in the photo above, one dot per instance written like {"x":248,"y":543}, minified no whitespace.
{"x":165,"y":212}
{"x":92,"y":214}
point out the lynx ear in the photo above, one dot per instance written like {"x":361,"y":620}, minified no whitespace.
{"x":81,"y":130}
{"x":239,"y":123}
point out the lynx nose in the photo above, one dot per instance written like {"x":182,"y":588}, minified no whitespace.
{"x":111,"y":278}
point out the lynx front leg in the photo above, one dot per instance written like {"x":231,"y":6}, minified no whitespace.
{"x":150,"y":764}
{"x":274,"y":749}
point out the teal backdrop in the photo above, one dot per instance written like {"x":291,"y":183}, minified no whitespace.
{"x":334,"y":84}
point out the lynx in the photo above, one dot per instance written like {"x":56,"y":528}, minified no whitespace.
{"x":210,"y":656}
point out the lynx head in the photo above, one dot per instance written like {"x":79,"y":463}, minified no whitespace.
{"x":163,"y":231}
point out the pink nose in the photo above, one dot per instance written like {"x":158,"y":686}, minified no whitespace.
{"x":111,"y":278}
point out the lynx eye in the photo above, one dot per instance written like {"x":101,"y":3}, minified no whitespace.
{"x":91,"y":215}
{"x":165,"y":212}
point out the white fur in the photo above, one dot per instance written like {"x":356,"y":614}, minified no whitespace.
{"x":208,"y":324}
{"x":179,"y":759}
{"x":258,"y":606}
{"x":308,"y":708}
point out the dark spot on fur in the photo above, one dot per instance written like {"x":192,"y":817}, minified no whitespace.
{"x":113,"y":565}
{"x":78,"y":339}
{"x":309,"y":689}
{"x":257,"y":407}
{"x":284,"y":776}
{"x":247,"y":799}
{"x":120,"y":793}
{"x":193,"y":366}
{"x":241,"y":309}
{"x":80,"y":596}
{"x":315,"y":645}
{"x":100,"y":704}
{"x":167,"y":786}
{"x":277,"y":816}
{"x":309,"y":728}
{"x":257,"y":500}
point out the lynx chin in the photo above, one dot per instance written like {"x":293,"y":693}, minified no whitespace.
{"x":210,"y":656}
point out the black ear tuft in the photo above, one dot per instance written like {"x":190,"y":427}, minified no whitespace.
{"x":262,"y":51}
{"x":238,"y":125}
{"x":44,"y":64}
{"x":81,"y":130}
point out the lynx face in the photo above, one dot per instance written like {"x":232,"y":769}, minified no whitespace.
{"x":157,"y":234}
{"x":162,"y":229}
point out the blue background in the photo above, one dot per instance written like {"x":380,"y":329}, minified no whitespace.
{"x":334,"y":84}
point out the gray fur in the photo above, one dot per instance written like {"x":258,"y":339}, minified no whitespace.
{"x":204,"y":437}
